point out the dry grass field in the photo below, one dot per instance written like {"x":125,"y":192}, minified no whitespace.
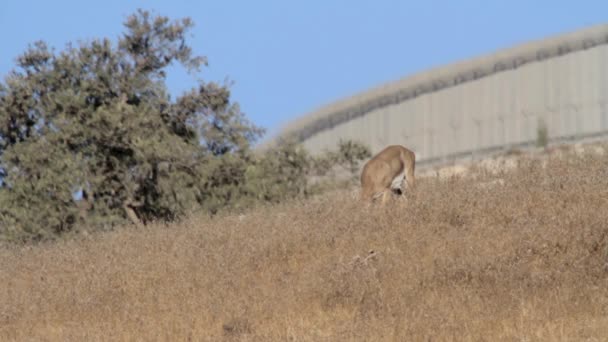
{"x":520,"y":255}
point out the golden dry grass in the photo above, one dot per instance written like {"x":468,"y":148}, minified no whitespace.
{"x":523,"y":261}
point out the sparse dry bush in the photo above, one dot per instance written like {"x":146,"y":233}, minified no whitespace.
{"x":526,"y":260}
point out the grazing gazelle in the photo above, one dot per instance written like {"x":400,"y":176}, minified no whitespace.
{"x":387,"y":170}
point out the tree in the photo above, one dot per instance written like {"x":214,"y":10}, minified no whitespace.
{"x":97,"y":121}
{"x":287,"y":170}
{"x":90,"y":137}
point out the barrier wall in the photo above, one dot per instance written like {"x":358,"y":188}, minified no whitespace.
{"x":487,"y":103}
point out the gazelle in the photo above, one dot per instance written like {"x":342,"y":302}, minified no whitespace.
{"x":388,"y":170}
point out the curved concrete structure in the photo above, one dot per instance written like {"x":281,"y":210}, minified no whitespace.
{"x":492,"y":102}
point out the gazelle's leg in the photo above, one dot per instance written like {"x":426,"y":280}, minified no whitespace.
{"x":376,"y":196}
{"x":385,"y":196}
{"x":410,"y":177}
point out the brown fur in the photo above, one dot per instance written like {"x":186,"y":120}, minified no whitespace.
{"x":379,"y":172}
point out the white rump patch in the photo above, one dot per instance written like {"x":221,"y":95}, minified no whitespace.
{"x":396,"y":184}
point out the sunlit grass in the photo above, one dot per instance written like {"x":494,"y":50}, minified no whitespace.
{"x":513,"y":256}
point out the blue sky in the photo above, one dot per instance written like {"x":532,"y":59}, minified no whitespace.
{"x":288,"y":58}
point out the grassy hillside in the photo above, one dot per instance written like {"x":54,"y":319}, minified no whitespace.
{"x":494,"y":256}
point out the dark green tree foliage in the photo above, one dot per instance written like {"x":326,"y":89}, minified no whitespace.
{"x":89,"y":137}
{"x":289,"y":171}
{"x":349,"y":155}
{"x":340,"y":168}
{"x":97,"y":120}
{"x":281,"y":173}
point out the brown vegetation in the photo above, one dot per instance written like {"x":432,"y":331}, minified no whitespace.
{"x":525,"y":260}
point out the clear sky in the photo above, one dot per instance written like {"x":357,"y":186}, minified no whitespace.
{"x":288,"y":58}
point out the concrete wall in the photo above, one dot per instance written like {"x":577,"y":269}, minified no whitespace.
{"x":492,"y":102}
